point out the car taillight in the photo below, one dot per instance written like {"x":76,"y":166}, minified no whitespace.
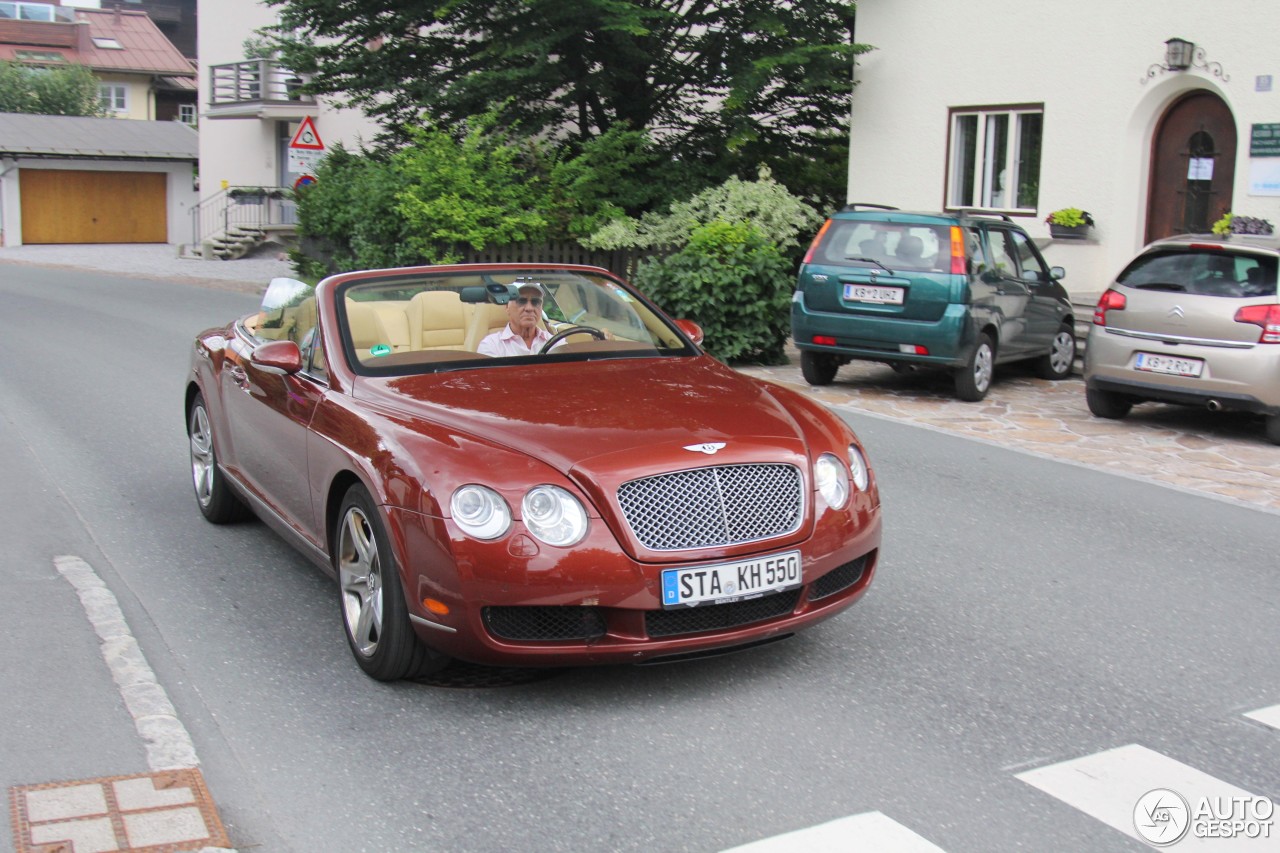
{"x":1266,"y":316}
{"x":824,"y":340}
{"x":1112,"y":300}
{"x":957,"y":251}
{"x":813,"y":247}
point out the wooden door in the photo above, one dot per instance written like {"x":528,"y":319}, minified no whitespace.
{"x":69,"y":206}
{"x":1193,"y":166}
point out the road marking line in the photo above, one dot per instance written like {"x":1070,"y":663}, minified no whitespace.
{"x":1267,"y":716}
{"x":1107,"y":785}
{"x":866,"y":831}
{"x":167,"y":741}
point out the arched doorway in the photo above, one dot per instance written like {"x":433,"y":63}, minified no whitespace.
{"x":1193,"y":166}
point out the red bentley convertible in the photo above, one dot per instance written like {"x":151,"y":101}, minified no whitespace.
{"x":616,"y":495}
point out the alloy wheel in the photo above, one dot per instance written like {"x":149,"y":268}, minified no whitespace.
{"x":202,"y":458}
{"x":360,"y":579}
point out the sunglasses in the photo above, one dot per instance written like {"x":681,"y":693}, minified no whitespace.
{"x":535,"y":301}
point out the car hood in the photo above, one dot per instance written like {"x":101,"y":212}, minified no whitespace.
{"x":567,"y":414}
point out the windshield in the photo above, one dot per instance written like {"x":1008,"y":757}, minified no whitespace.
{"x":400,"y":325}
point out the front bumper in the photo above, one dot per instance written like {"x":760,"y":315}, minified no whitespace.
{"x":593,"y":604}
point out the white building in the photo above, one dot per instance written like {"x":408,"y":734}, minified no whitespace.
{"x":1027,"y":106}
{"x":250,"y":112}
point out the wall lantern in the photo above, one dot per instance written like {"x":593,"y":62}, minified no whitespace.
{"x":1181,"y":55}
{"x":1177,"y":54}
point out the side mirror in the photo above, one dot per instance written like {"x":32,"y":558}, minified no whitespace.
{"x":692,"y":330}
{"x":1057,"y":273}
{"x":280,"y":357}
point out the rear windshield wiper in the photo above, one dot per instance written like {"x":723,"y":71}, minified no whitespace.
{"x":1162,"y":285}
{"x":869,"y":261}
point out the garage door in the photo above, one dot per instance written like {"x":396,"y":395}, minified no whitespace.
{"x":65,"y":206}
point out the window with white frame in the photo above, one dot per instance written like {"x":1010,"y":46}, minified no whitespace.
{"x":994,"y":161}
{"x":114,"y":97}
{"x":187,"y":114}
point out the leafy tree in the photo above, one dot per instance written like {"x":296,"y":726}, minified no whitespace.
{"x":719,"y":86}
{"x":70,"y":90}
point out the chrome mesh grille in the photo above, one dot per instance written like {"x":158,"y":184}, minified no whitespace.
{"x":707,"y":507}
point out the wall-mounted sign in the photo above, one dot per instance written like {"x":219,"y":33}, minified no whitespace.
{"x":1200,"y":169}
{"x":1264,"y":140}
{"x":1264,"y":177}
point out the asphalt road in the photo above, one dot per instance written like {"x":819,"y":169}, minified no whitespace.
{"x":1026,"y":613}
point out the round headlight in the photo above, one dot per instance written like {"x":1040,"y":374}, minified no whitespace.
{"x":480,"y":512}
{"x":832,"y":480}
{"x":554,"y":516}
{"x":858,"y":465}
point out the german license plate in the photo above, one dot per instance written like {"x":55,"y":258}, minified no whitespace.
{"x":726,"y":582}
{"x":873,"y":293}
{"x":1152,"y":363}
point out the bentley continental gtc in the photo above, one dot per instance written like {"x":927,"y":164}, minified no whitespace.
{"x":526,"y":465}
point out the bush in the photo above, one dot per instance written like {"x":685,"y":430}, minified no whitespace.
{"x":348,"y":217}
{"x":420,"y":204}
{"x":734,"y":282}
{"x":767,"y":205}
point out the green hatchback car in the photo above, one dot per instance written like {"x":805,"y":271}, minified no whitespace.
{"x":963,"y":291}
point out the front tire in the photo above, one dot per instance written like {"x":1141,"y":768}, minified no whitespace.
{"x":374,"y":615}
{"x":217,"y":502}
{"x":818,"y":368}
{"x":973,"y":381}
{"x":1107,"y":404}
{"x":1057,"y":363}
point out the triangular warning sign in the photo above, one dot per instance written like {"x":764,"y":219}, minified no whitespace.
{"x":306,"y":137}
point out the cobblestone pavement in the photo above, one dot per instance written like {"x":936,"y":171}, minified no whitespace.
{"x":1225,"y":455}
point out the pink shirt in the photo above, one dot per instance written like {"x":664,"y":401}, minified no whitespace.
{"x":507,"y":342}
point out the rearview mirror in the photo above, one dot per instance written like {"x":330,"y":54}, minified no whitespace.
{"x":692,"y":330}
{"x":279,"y":357}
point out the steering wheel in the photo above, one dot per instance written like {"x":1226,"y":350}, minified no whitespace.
{"x":572,"y":330}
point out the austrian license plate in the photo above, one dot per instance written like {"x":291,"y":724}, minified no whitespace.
{"x":873,"y":293}
{"x":1152,"y":363}
{"x":726,"y":582}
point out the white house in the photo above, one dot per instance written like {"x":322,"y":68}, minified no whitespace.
{"x":250,"y":112}
{"x":1027,"y":106}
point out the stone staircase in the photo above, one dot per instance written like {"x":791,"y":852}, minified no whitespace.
{"x":236,"y":242}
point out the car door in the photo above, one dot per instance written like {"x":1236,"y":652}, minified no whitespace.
{"x":269,"y":416}
{"x":1012,"y":292}
{"x":1045,"y":310}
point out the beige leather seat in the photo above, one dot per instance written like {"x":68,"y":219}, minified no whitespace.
{"x":395,"y":320}
{"x":486,"y":318}
{"x":365,"y":327}
{"x":437,"y":320}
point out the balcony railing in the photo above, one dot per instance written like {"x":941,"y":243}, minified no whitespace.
{"x":253,"y":84}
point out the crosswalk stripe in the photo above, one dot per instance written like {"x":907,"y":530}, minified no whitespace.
{"x":1267,"y":716}
{"x":866,"y":831}
{"x":1107,"y":786}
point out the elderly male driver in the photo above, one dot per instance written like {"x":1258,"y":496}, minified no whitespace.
{"x":522,"y":335}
